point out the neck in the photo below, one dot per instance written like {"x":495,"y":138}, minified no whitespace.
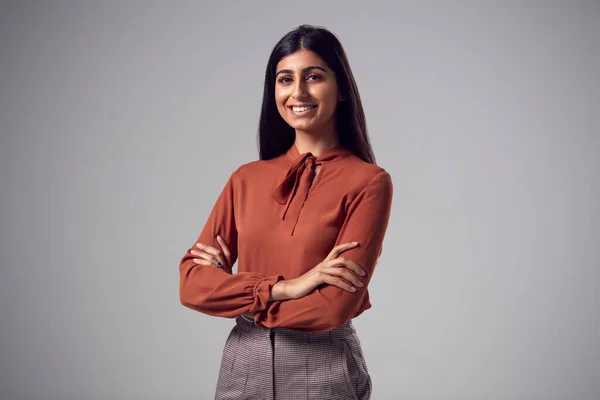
{"x":315,"y":143}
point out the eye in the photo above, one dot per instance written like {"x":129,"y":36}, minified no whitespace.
{"x":313,"y":77}
{"x":284,"y":79}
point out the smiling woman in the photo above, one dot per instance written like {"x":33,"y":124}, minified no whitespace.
{"x":314,"y":195}
{"x":307,"y":93}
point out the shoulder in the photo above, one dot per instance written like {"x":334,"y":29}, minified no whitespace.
{"x":259,"y":168}
{"x":369,"y":177}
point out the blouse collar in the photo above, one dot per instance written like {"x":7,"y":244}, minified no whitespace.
{"x":335,"y":153}
{"x":291,"y":193}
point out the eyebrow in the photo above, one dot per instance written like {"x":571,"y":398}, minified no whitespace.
{"x":305,"y":69}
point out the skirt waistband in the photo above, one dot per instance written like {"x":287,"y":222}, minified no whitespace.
{"x":339,"y":332}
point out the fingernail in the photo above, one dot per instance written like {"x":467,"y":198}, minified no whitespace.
{"x":353,"y":288}
{"x":362,"y":272}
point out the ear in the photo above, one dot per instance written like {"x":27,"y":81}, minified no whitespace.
{"x":340,"y":97}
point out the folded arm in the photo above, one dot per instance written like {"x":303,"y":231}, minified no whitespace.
{"x":328,"y":306}
{"x":216,"y":291}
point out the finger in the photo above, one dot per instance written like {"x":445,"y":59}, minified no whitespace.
{"x":201,"y":261}
{"x":339,"y":282}
{"x":221,"y":257}
{"x":225,"y":249}
{"x":208,"y":257}
{"x":345,"y":273}
{"x":346,"y":262}
{"x":214,"y":252}
{"x":221,"y":260}
{"x":339,"y":249}
{"x":203,"y":255}
{"x":207,"y":248}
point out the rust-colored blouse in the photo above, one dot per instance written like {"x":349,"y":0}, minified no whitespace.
{"x":278,"y":225}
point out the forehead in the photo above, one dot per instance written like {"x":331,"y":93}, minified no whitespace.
{"x":300,"y":59}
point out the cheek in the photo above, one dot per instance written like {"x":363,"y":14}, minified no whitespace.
{"x":280,"y":99}
{"x":329,"y":102}
{"x":280,"y":107}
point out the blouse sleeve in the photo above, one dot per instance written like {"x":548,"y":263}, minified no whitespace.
{"x":328,"y":306}
{"x":216,"y":291}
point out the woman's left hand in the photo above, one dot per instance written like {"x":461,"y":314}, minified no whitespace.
{"x":208,"y":255}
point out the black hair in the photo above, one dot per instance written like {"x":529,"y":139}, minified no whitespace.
{"x":275,"y":136}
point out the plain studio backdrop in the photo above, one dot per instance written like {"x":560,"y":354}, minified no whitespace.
{"x":121,"y":121}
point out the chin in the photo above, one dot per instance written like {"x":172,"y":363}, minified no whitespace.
{"x":303,"y":124}
{"x":304,"y":127}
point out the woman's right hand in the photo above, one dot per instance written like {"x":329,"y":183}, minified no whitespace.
{"x":334,"y":270}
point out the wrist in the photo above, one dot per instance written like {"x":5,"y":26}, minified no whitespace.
{"x":279,"y":291}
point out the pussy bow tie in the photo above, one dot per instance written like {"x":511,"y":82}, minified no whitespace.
{"x":292,"y":192}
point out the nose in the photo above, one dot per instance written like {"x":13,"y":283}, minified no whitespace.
{"x":299,"y":89}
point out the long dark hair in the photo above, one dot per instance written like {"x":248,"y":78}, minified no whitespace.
{"x":275,"y":136}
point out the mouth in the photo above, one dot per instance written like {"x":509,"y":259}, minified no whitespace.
{"x":303,"y":110}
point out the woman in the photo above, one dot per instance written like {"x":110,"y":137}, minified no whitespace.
{"x":306,"y":225}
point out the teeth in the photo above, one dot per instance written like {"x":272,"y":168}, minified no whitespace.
{"x":299,"y":109}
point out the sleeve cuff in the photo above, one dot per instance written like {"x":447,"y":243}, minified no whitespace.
{"x":262,"y":292}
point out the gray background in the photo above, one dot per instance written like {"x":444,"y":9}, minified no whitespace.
{"x":121,"y":120}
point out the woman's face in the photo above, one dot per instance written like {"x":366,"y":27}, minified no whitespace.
{"x":306,"y":92}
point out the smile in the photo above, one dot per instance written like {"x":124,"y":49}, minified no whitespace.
{"x":302,"y":110}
